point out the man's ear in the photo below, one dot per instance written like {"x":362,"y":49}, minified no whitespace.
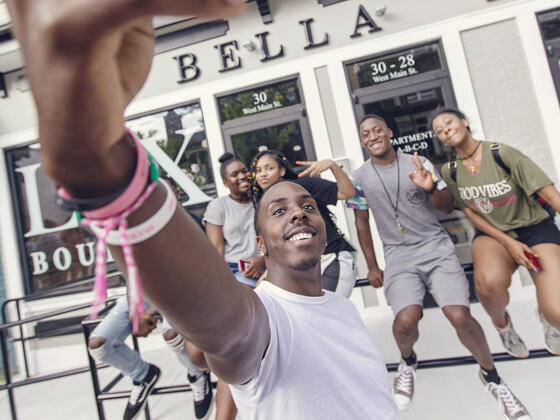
{"x":260,"y":245}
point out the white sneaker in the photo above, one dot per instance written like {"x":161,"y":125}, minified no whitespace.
{"x":403,"y":385}
{"x":512,"y":408}
{"x":551,"y":335}
{"x":512,"y":342}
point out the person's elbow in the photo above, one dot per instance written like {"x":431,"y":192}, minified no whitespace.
{"x":346,"y":193}
{"x":448,"y":207}
{"x":445,"y":201}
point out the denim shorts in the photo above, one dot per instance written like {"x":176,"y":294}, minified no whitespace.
{"x":240,"y":277}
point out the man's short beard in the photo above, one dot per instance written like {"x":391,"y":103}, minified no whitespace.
{"x":306,"y":265}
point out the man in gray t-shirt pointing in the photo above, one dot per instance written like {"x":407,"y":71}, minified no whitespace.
{"x":401,"y":191}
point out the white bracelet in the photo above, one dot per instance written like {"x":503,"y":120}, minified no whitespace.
{"x":147,"y":229}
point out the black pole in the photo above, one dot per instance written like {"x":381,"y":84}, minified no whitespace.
{"x":24,"y":350}
{"x":94,"y":375}
{"x":146,"y":408}
{"x":6,"y":363}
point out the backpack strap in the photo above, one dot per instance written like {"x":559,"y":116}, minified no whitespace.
{"x":452,"y":165}
{"x":495,"y":150}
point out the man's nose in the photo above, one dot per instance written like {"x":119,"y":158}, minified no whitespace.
{"x":297,"y":214}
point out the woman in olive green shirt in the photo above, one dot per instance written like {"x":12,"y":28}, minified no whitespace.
{"x":497,"y":187}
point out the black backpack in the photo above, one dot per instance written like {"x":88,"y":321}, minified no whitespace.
{"x":495,"y":150}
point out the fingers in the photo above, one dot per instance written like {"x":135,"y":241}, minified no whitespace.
{"x":304,"y":163}
{"x":415,"y":160}
{"x":251,"y":272}
{"x":532,"y":259}
{"x":305,"y":172}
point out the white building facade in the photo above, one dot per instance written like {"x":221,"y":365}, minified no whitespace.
{"x":293,"y":75}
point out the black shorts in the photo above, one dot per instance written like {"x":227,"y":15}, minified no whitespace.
{"x":544,"y":232}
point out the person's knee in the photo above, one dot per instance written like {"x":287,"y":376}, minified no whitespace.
{"x":552,"y":315}
{"x":169,"y":334}
{"x":96,"y":347}
{"x":196,"y":355}
{"x":460,"y":317}
{"x":406,"y":321}
{"x":486,"y":283}
{"x":174,"y":341}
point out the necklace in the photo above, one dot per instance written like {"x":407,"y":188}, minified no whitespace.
{"x":396,"y":205}
{"x":472,"y":166}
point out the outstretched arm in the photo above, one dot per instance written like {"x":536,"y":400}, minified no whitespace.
{"x":345,"y":187}
{"x":85,"y":61}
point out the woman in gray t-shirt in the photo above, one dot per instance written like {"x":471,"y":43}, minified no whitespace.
{"x":229,"y":223}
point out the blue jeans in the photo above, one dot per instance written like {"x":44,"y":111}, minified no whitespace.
{"x":115,"y":328}
{"x":240,"y":277}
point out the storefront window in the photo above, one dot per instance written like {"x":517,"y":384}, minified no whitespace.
{"x":286,"y":138}
{"x":54,"y":250}
{"x":394,"y":66}
{"x":177,"y":140}
{"x":261,"y":99}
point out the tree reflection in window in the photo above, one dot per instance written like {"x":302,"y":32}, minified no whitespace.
{"x":180,"y":133}
{"x":286,"y":138}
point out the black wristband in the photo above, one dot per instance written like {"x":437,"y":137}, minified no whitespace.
{"x":432,"y":190}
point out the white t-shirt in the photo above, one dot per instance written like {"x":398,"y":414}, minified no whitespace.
{"x":320,"y":363}
{"x":236,"y":220}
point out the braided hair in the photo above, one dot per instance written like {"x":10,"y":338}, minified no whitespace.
{"x":256,"y":190}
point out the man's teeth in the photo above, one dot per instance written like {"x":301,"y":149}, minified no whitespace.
{"x":300,"y":236}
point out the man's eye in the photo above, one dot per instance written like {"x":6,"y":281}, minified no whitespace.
{"x":308,"y":207}
{"x":278,"y":212}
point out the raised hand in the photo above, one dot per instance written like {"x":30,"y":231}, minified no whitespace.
{"x":420,"y":176}
{"x":314,"y":168}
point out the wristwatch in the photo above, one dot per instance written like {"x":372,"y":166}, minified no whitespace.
{"x":432,"y":190}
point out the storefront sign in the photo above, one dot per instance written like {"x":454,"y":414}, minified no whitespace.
{"x":229,"y":57}
{"x":421,"y":142}
{"x":262,"y":99}
{"x":394,"y":66}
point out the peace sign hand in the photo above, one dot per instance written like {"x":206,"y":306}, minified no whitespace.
{"x":315,"y":168}
{"x":421,"y":177}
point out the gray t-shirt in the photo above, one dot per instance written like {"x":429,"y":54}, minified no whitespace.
{"x":236,"y":220}
{"x":415,"y":210}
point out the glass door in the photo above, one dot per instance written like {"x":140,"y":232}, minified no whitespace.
{"x":407,"y":110}
{"x":267,"y":117}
